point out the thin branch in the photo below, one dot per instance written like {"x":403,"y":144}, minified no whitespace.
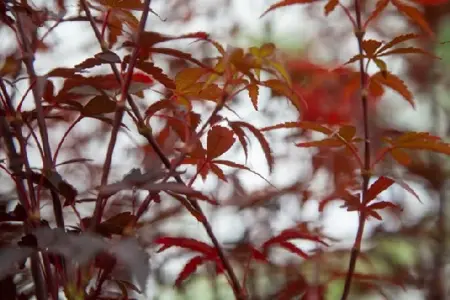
{"x":359,"y":33}
{"x":28,"y":59}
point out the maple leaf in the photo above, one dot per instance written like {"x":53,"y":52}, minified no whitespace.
{"x":286,"y":3}
{"x":220,"y":140}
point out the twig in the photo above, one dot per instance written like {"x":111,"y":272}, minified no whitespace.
{"x":359,"y":33}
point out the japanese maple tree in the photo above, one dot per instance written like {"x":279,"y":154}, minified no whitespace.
{"x":181,"y":112}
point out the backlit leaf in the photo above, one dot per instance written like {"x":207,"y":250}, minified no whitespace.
{"x":283,"y":88}
{"x":187,"y":243}
{"x":157,"y":73}
{"x":158,"y":106}
{"x":382,"y":205}
{"x":217,"y":171}
{"x":282,"y":70}
{"x":187,"y":77}
{"x":409,"y":50}
{"x":304,"y":125}
{"x":242,"y":138}
{"x":220,"y":140}
{"x":355,"y":58}
{"x":122,"y":4}
{"x":262,"y":141}
{"x":370,"y":47}
{"x":238,"y":166}
{"x":267,"y":49}
{"x":253,"y":92}
{"x":321,"y":143}
{"x":381,"y":65}
{"x":401,"y":156}
{"x":397,"y":40}
{"x":291,"y":234}
{"x":395,"y":83}
{"x":381,"y":5}
{"x":330,"y":6}
{"x":414,"y":14}
{"x":381,"y":184}
{"x":286,"y":3}
{"x":188,"y":269}
{"x":294,"y":249}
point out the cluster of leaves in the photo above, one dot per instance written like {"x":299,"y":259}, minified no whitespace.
{"x":188,"y":138}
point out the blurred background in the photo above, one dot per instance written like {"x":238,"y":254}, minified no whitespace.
{"x":406,"y":250}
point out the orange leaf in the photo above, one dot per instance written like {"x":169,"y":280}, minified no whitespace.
{"x":304,"y":125}
{"x":401,"y":156}
{"x":322,"y":143}
{"x":284,"y":89}
{"x":395,"y":83}
{"x":129,"y":4}
{"x":381,"y":5}
{"x":347,"y":132}
{"x":370,"y":47}
{"x":377,"y":187}
{"x":187,"y":77}
{"x":397,"y":40}
{"x":220,"y":140}
{"x":330,"y":6}
{"x":432,"y":146}
{"x":355,"y":58}
{"x":409,"y":50}
{"x":242,"y":138}
{"x":414,"y":14}
{"x":286,"y":3}
{"x":253,"y":91}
